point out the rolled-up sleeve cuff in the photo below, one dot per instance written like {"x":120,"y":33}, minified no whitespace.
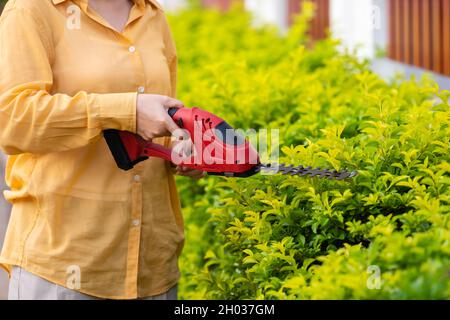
{"x":115,"y":111}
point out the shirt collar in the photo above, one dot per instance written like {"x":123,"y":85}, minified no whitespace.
{"x":138,"y":2}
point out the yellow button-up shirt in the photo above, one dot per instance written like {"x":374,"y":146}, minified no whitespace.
{"x":77,"y":220}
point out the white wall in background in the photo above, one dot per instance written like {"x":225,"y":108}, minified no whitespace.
{"x":381,"y":32}
{"x":265,"y":11}
{"x":353,"y":22}
{"x":172,"y":5}
{"x":269,"y":11}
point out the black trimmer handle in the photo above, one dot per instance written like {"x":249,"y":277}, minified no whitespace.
{"x":172,"y":111}
{"x":118,"y":142}
{"x":118,"y":150}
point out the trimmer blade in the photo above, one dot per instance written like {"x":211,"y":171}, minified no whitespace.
{"x":307,"y":171}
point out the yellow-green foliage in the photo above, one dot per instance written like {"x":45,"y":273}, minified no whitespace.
{"x":279,"y":237}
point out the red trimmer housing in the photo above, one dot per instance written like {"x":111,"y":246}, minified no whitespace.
{"x":216,"y":147}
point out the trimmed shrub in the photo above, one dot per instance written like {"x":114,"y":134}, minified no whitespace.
{"x":382,"y":235}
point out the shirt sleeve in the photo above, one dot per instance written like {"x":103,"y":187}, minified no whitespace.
{"x":172,"y":60}
{"x":35,"y":121}
{"x":171,"y":56}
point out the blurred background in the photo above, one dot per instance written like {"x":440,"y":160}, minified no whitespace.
{"x":408,"y":36}
{"x":411,"y":37}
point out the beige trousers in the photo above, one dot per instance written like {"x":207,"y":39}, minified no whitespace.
{"x":24,"y":285}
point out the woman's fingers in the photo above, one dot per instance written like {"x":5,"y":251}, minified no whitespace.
{"x":172,"y":103}
{"x":171,"y":126}
{"x":152,"y":118}
{"x":192,"y":173}
{"x":188,"y":172}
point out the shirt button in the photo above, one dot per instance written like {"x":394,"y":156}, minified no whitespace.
{"x":137,"y":178}
{"x":141,"y":89}
{"x":136,"y":222}
{"x":132,"y":49}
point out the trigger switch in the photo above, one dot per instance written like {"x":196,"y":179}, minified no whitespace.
{"x":180,"y":123}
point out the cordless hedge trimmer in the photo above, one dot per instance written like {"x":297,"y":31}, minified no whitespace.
{"x":228,"y":153}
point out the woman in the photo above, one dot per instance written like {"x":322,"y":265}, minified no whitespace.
{"x":80,"y":227}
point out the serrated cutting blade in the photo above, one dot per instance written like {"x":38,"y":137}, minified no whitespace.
{"x":302,"y":171}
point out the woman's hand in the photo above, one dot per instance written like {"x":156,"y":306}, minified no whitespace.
{"x":153,"y":121}
{"x":188,"y":172}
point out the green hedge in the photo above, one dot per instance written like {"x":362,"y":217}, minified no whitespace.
{"x":281,"y":237}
